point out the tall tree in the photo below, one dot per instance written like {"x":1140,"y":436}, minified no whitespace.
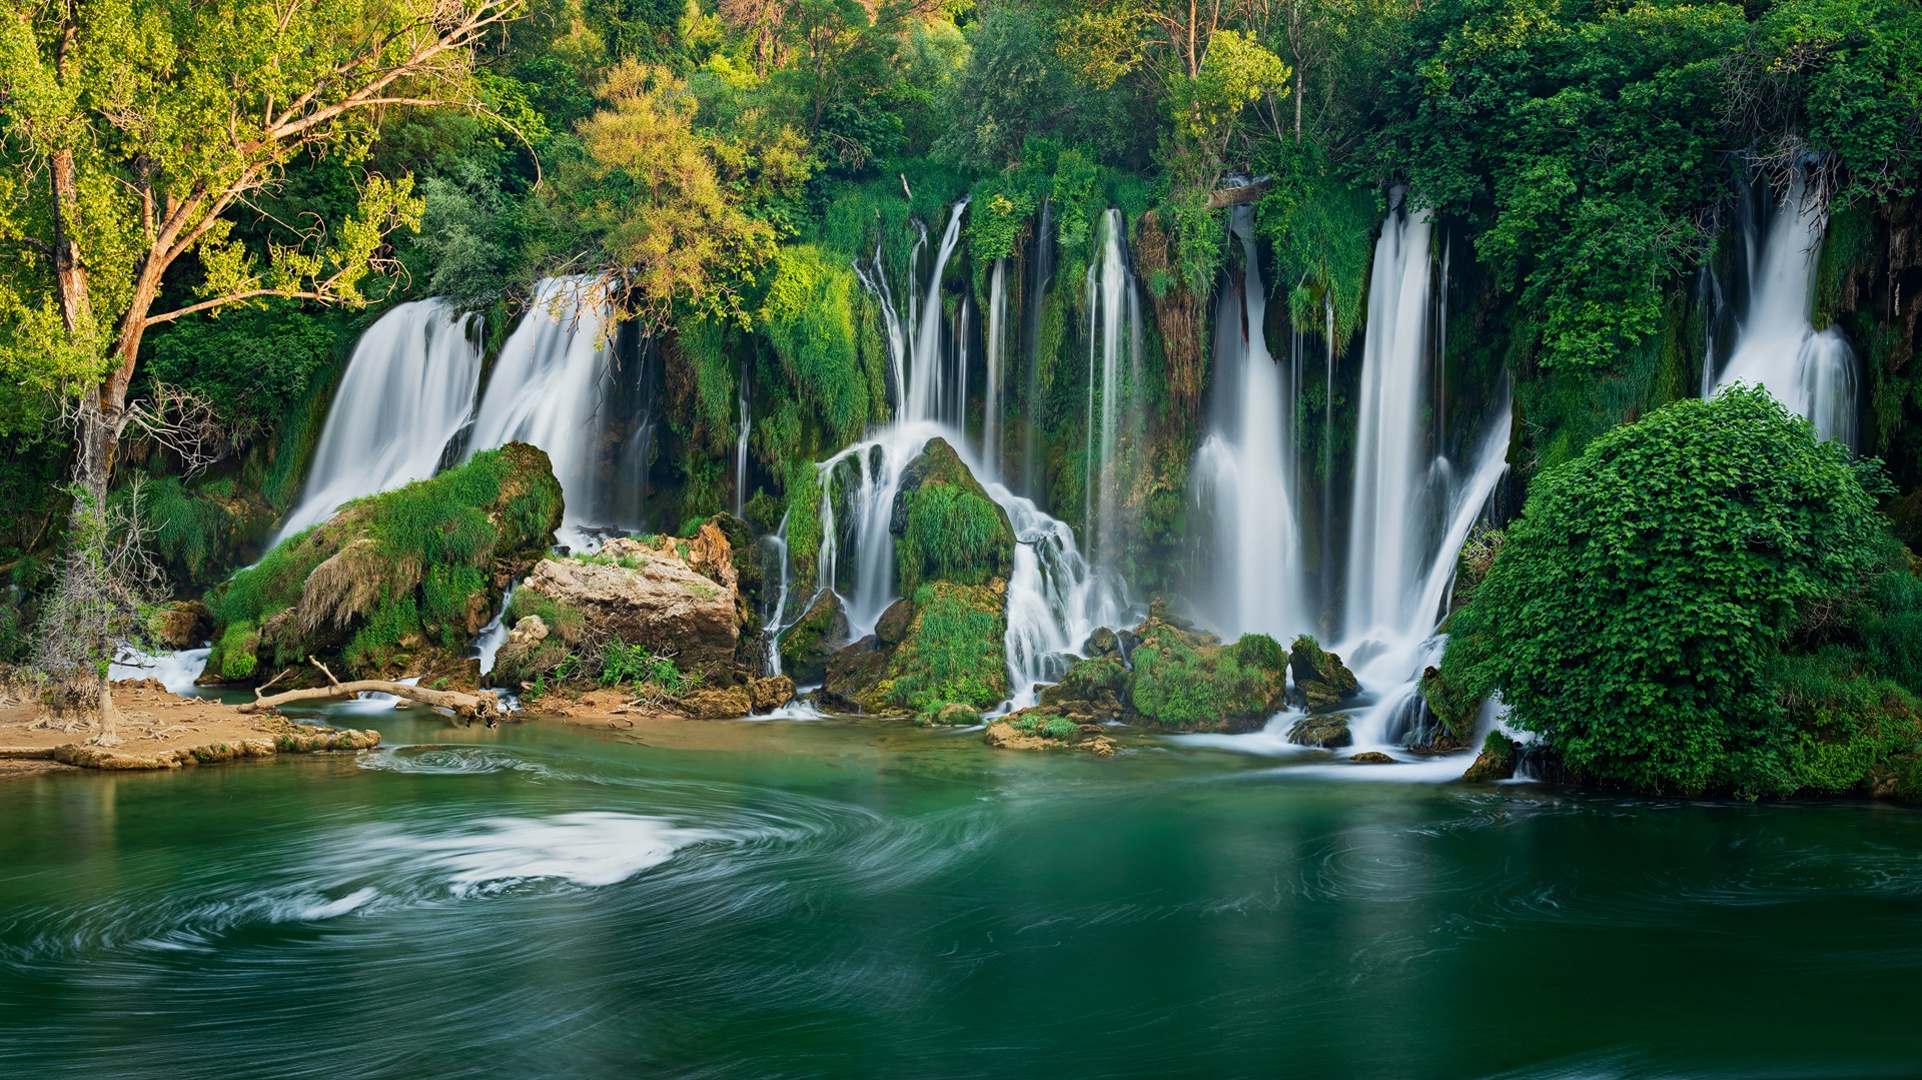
{"x":136,"y":134}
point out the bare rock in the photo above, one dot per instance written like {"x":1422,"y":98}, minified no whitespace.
{"x":646,"y":597}
{"x":1372,"y":757}
{"x":182,"y":624}
{"x":721,"y":703}
{"x":770,"y":693}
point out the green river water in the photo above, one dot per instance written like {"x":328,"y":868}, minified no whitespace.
{"x":837,"y":899}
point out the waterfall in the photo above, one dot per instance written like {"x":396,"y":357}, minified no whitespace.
{"x":1397,"y":656}
{"x":1039,"y":280}
{"x":487,"y":645}
{"x":561,"y":385}
{"x":1777,"y":346}
{"x":1245,"y":467}
{"x":745,"y":399}
{"x":408,"y":389}
{"x":1390,"y":526}
{"x":1054,"y":597}
{"x":1114,"y":340}
{"x":996,"y":356}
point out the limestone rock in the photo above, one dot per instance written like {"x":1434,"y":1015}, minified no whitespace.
{"x":895,"y":622}
{"x":1320,"y":678}
{"x":721,"y":703}
{"x":956,"y":714}
{"x":1102,"y":642}
{"x":1372,"y":757}
{"x":645,"y":596}
{"x":814,"y":637}
{"x":1095,"y":686}
{"x":770,"y":693}
{"x":854,"y":675}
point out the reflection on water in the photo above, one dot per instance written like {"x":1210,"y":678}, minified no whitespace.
{"x":862,"y":899}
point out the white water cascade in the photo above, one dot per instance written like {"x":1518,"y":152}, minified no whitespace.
{"x":1390,"y":527}
{"x":997,"y":354}
{"x":1246,"y":470}
{"x":559,"y":385}
{"x":1777,"y":346}
{"x":408,"y":389}
{"x":1114,"y":353}
{"x":745,"y":400}
{"x":1054,"y":598}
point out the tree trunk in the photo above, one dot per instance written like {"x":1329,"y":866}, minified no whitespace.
{"x":483,"y":706}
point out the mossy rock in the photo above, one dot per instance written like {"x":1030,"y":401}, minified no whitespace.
{"x":1185,"y":680}
{"x":808,"y":644}
{"x":955,"y":649}
{"x":396,"y":583}
{"x":1097,"y":685}
{"x":946,"y":527}
{"x":1327,"y":732}
{"x":1103,"y":642}
{"x":1321,"y":679}
{"x":892,"y":629}
{"x":180,"y":624}
{"x":1456,"y":708}
{"x":952,"y":714}
{"x":854,"y":675}
{"x":1495,"y":762}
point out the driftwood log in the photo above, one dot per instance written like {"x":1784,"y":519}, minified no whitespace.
{"x":467,"y":708}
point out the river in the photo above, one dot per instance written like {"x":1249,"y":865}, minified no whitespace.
{"x":838,"y":898}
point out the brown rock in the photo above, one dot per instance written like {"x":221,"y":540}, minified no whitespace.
{"x":728,"y":703}
{"x":895,"y":621}
{"x":770,"y":693}
{"x":1372,"y":757}
{"x":183,"y":624}
{"x":646,"y":597}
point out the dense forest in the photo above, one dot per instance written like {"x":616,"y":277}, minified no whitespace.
{"x":205,"y":206}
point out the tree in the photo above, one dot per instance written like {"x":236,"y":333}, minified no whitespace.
{"x":1637,"y":615}
{"x":138,"y":132}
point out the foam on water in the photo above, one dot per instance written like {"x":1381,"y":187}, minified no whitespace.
{"x":176,"y":670}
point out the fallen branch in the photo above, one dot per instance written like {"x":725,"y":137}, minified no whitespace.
{"x":1222,"y":198}
{"x":467,"y":708}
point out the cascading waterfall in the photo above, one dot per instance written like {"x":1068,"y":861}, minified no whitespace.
{"x":1039,"y":281}
{"x":1054,"y":598}
{"x":1114,"y":348}
{"x":996,"y":357}
{"x":1391,"y":525}
{"x":1246,"y":466}
{"x":1811,"y":372}
{"x":561,"y":385}
{"x":408,"y":389}
{"x":745,"y":400}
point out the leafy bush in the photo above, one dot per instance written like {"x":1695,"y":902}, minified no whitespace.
{"x":1636,"y":613}
{"x":1182,"y":683}
{"x":624,"y":663}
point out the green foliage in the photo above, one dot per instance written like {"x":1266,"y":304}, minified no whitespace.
{"x":1046,"y":725}
{"x":624,"y":663}
{"x":394,"y":625}
{"x":952,"y":534}
{"x":1321,"y":227}
{"x":1637,"y":610}
{"x":253,"y":365}
{"x":804,"y":519}
{"x":954,"y":651}
{"x":1184,"y":684}
{"x":564,"y":620}
{"x":808,"y":316}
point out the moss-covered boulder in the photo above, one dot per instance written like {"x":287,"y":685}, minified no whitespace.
{"x":945,"y":526}
{"x":1320,"y":678}
{"x":1184,"y":680}
{"x":181,"y":624}
{"x":953,"y":651}
{"x":1454,"y":705}
{"x":1043,"y":728}
{"x":1093,"y":688}
{"x":817,"y":635}
{"x":394,"y":584}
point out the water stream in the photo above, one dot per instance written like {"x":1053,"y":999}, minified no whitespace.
{"x":1777,"y":346}
{"x":408,"y":389}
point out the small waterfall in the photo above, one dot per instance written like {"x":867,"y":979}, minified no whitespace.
{"x":1039,"y":280}
{"x":928,"y":392}
{"x":1391,"y":525}
{"x":487,"y":645}
{"x":562,"y":385}
{"x":991,"y":407}
{"x":1114,"y":345}
{"x":1246,"y":467}
{"x":1055,"y":600}
{"x":745,"y":399}
{"x":774,"y":620}
{"x":1777,"y":346}
{"x":408,"y":389}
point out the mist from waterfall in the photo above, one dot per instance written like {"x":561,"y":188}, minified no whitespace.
{"x":1246,"y":468}
{"x":1777,"y":346}
{"x":561,"y":385}
{"x":408,"y":389}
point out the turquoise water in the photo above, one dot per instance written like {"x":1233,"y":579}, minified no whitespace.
{"x":846,"y":899}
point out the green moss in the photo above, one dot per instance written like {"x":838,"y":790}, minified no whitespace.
{"x":952,"y":535}
{"x":563,"y":619}
{"x":808,"y":316}
{"x":1183,"y":683}
{"x":394,"y":625}
{"x":233,"y":653}
{"x":804,"y":519}
{"x":955,"y":650}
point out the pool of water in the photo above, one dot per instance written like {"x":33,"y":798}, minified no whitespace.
{"x":837,"y":898}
